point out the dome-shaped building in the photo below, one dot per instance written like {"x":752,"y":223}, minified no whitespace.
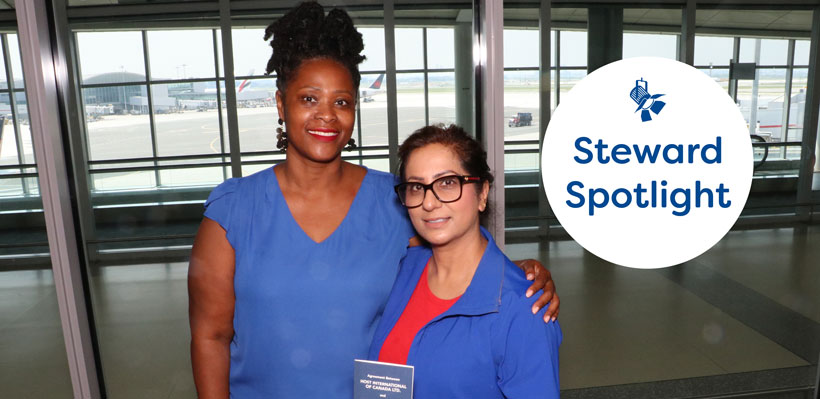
{"x":123,"y":99}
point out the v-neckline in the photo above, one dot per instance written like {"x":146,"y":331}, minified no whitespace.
{"x":296,"y":223}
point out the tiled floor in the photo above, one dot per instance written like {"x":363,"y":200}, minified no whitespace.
{"x":740,"y":307}
{"x":626,"y":326}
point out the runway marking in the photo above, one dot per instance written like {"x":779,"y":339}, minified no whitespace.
{"x":212,"y":145}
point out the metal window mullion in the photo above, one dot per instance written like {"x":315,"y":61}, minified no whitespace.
{"x":219,"y":105}
{"x":478,"y":86}
{"x":735,"y":58}
{"x":69,"y":76}
{"x":392,"y":99}
{"x":678,"y":44}
{"x":557,"y":68}
{"x":686,"y":39}
{"x":18,"y":136}
{"x":359,"y":131}
{"x":489,"y":31}
{"x":40,"y":75}
{"x":151,"y":120}
{"x":808,"y":149}
{"x":426,"y":83}
{"x":18,"y":139}
{"x":755,"y":91}
{"x":787,"y":97}
{"x":230,"y":86}
{"x":545,"y":111}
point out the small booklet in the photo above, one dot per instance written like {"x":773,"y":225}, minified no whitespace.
{"x":379,"y":380}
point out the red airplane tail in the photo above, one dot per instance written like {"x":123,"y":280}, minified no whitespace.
{"x":378,"y":83}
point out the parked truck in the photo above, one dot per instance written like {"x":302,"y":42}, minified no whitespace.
{"x":521,"y":119}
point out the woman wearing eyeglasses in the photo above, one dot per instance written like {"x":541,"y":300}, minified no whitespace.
{"x":456,"y":312}
{"x":292,"y":266}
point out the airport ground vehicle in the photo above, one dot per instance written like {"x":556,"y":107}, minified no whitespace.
{"x":521,"y":119}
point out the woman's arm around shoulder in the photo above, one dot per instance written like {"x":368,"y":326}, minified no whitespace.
{"x":542,"y":279}
{"x":210,"y":309}
{"x":529,"y":363}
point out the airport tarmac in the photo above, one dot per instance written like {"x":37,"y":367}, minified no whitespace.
{"x":192,"y":132}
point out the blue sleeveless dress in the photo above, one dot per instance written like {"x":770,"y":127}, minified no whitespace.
{"x":305,"y":310}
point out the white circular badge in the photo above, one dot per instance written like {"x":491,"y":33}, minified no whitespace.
{"x":647,"y":162}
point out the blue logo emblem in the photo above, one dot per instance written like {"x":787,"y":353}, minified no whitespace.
{"x":646,"y":102}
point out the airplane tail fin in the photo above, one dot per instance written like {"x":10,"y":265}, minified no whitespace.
{"x":245,"y":83}
{"x":378,"y":83}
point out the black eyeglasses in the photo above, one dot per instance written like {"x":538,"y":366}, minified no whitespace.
{"x":446,"y":189}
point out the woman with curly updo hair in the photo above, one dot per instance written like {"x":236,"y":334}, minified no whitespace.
{"x":292,"y":266}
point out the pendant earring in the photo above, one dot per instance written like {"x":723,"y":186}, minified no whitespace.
{"x":281,"y":137}
{"x":351,"y":144}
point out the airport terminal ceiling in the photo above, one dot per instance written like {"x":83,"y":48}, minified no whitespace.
{"x":755,"y":18}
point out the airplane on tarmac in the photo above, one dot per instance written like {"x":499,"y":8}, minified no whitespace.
{"x":377,"y":87}
{"x":243,"y":93}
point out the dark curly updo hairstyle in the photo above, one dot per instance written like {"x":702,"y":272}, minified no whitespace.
{"x":467,"y":149}
{"x":305,"y":33}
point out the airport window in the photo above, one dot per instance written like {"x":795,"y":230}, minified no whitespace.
{"x":150,"y":112}
{"x":409,"y":48}
{"x":17,"y":168}
{"x":573,"y":48}
{"x":797,"y":109}
{"x":181,"y":54}
{"x":801,"y":52}
{"x":711,"y":51}
{"x":440,"y":48}
{"x":650,"y":45}
{"x":250,"y":52}
{"x":773,"y":100}
{"x":800,"y":75}
{"x":773,"y":52}
{"x":521,"y":98}
{"x":255,"y":97}
{"x":522,"y":102}
{"x":14,"y":61}
{"x":442,"y":97}
{"x":373,"y":49}
{"x":185,"y":86}
{"x":372,"y":110}
{"x":425,"y":78}
{"x":121,"y":63}
{"x":371,"y":118}
{"x":521,"y":88}
{"x":712,"y":56}
{"x":519,"y":51}
{"x":573,"y":60}
{"x":117,"y":120}
{"x":411,"y":102}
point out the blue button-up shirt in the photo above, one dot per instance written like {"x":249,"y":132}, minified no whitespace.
{"x":487,"y":345}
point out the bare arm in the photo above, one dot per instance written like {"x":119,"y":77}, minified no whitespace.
{"x":210,"y":309}
{"x":542,"y":279}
